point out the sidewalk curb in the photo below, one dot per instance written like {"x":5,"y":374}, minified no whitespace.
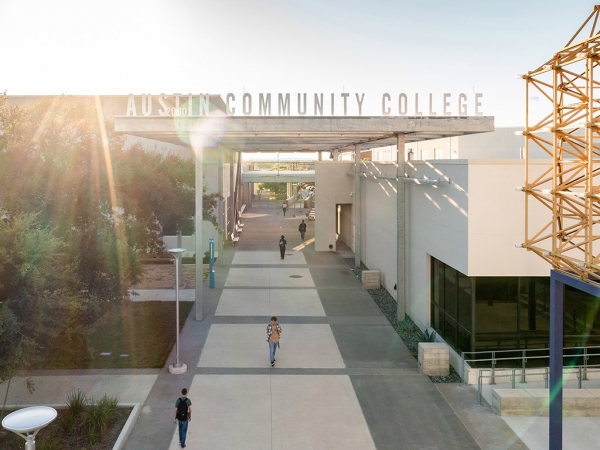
{"x":123,"y":435}
{"x":133,"y":416}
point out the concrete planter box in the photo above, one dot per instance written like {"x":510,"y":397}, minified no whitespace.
{"x":370,"y":279}
{"x":434,"y":359}
{"x":534,"y":402}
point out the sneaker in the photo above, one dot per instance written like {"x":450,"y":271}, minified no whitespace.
{"x":273,"y":364}
{"x":184,"y":446}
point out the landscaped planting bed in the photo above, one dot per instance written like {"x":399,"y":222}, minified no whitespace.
{"x":85,"y":424}
{"x":408,"y":331}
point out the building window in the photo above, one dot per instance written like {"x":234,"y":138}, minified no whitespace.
{"x":506,"y":313}
{"x":451,"y":308}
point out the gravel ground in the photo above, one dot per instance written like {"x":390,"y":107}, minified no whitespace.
{"x":407,"y":330}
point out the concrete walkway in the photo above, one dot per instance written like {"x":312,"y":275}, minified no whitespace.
{"x":343,"y":378}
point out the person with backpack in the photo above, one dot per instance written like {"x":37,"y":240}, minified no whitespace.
{"x":282,"y":244}
{"x":302,"y":230}
{"x":273,"y":335}
{"x":183,"y":415}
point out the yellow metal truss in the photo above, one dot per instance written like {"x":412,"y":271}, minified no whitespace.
{"x":568,"y":185}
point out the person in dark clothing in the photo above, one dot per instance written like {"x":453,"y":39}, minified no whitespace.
{"x":183,"y":415}
{"x":282,"y":244}
{"x":302,"y":230}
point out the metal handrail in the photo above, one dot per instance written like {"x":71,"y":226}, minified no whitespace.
{"x":523,"y":358}
{"x":580,"y":371}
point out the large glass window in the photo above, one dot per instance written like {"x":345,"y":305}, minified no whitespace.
{"x":506,"y":313}
{"x":451,"y":305}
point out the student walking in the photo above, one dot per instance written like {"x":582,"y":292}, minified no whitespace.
{"x":302,"y":230}
{"x":273,"y":336}
{"x":284,"y":207}
{"x":183,"y":415}
{"x":282,"y":244}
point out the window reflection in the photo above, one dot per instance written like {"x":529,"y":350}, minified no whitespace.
{"x":505,"y":313}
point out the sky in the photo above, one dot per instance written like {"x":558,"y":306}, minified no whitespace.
{"x":119,"y":47}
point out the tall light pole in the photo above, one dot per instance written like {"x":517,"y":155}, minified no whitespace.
{"x":178,"y":368}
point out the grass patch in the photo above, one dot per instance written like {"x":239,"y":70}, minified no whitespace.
{"x":145,"y":331}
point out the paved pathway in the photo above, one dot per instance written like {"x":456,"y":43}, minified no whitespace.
{"x":343,"y":378}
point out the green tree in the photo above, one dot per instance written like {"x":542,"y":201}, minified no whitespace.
{"x":56,"y":163}
{"x":39,"y":297}
{"x":75,"y":208}
{"x":276,"y":188}
{"x":161,"y":194}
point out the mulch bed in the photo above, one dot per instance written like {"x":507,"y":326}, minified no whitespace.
{"x":408,"y":331}
{"x":53,"y":437}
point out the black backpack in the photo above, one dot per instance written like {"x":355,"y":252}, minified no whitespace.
{"x":182,"y":409}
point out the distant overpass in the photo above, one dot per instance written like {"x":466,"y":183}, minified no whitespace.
{"x":283,"y":176}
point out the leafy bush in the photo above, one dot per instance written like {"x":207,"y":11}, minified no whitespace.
{"x":88,"y":416}
{"x":76,"y":403}
{"x":429,"y":335}
{"x":408,"y":326}
{"x":49,"y":443}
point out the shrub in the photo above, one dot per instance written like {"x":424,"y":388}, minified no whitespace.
{"x":89,"y":416}
{"x":429,"y":335}
{"x":50,"y":443}
{"x":408,"y":326}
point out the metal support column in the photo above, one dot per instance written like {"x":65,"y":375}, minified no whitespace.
{"x":400,"y":231}
{"x":557,"y":290}
{"x":356,"y":206}
{"x":198,"y":151}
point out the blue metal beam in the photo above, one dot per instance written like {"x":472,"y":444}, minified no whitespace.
{"x":558,"y":280}
{"x":557,"y":291}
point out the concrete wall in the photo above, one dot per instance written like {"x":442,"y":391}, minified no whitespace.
{"x":471,"y":224}
{"x":379,"y":223}
{"x":437,"y":225}
{"x":346,"y":228}
{"x":332,"y":186}
{"x":502,"y":143}
{"x":496,"y":220}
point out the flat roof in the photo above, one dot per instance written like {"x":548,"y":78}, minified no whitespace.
{"x":277,"y":133}
{"x":297,"y":134}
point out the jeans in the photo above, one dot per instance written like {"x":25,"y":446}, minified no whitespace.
{"x":272,"y":348}
{"x":183,"y":425}
{"x":302,"y":235}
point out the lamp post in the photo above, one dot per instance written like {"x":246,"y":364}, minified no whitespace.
{"x":27,"y":422}
{"x":178,"y":368}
